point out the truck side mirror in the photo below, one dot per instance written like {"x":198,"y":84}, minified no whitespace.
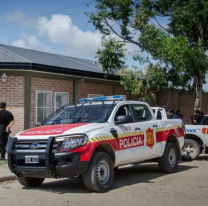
{"x":123,"y":119}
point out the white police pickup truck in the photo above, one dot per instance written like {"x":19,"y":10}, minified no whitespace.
{"x":92,"y":139}
{"x":197,"y":139}
{"x":196,"y":136}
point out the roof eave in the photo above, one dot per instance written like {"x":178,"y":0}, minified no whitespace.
{"x":55,"y":70}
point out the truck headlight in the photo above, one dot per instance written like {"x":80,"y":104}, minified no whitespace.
{"x":70,"y":142}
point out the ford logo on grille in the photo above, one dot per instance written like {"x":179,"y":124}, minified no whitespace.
{"x":33,"y":146}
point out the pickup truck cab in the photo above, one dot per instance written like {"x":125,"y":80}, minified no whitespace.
{"x":92,"y":139}
{"x":196,"y":136}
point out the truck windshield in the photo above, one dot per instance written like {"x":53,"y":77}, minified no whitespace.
{"x":80,"y":113}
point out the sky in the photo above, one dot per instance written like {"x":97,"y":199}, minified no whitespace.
{"x":55,"y":26}
{"x":54,"y":29}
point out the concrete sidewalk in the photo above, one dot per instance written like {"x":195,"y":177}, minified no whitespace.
{"x":5,"y":173}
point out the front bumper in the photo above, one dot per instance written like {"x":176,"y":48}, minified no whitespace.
{"x":69,"y":163}
{"x":50,"y":162}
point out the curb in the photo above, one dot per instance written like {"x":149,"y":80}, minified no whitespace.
{"x":7,"y":178}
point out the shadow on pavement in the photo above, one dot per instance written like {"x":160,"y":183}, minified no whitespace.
{"x":124,"y":176}
{"x":202,"y":158}
{"x":141,"y":174}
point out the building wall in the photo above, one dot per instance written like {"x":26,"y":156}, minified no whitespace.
{"x":187,"y":107}
{"x":47,"y":84}
{"x":169,"y":99}
{"x":84,"y":88}
{"x":185,"y":103}
{"x":12,"y":92}
{"x":119,"y":90}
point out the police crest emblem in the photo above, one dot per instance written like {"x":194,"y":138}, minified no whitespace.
{"x":150,"y":138}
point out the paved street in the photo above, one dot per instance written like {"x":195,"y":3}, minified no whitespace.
{"x":133,"y":185}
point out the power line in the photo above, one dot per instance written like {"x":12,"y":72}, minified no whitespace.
{"x":13,"y":22}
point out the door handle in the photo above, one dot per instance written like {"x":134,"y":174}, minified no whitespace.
{"x":154,"y":125}
{"x":137,"y":128}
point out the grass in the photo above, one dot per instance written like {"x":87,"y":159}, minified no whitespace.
{"x":3,"y":162}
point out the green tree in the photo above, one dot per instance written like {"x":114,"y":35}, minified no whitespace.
{"x":173,"y":34}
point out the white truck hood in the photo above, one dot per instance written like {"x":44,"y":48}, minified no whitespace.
{"x":45,"y":131}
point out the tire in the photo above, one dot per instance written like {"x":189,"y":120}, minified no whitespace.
{"x":30,"y":182}
{"x":190,"y":150}
{"x":169,"y":161}
{"x":100,"y":173}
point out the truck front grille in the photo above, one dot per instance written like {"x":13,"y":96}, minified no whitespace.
{"x":32,"y":147}
{"x":43,"y":149}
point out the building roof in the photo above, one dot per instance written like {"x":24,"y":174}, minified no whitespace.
{"x":11,"y":54}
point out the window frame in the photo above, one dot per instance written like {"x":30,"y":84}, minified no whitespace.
{"x":135,"y":114}
{"x":55,"y":100}
{"x":203,"y":119}
{"x":129,"y":109}
{"x":41,"y":91}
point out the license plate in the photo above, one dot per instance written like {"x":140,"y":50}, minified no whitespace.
{"x":31,"y":159}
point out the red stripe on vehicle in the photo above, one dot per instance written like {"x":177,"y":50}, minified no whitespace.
{"x":163,"y":135}
{"x":116,"y":144}
{"x":51,"y":129}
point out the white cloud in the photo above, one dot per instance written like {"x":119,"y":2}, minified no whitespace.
{"x":20,"y":17}
{"x":61,"y":30}
{"x":31,"y":42}
{"x":20,"y":43}
{"x":15,"y":16}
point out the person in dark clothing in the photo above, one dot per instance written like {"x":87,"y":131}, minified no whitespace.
{"x":6,"y":121}
{"x":171,"y":115}
{"x":179,"y":114}
{"x":196,"y":119}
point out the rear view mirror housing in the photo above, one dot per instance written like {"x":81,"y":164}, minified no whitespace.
{"x":123,"y":119}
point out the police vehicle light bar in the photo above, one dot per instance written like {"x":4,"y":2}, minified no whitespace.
{"x":106,"y":98}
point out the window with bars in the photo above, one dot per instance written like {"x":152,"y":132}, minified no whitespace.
{"x":61,"y":99}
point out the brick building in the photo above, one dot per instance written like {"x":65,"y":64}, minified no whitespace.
{"x":34,"y":84}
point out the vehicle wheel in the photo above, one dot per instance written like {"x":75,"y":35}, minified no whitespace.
{"x":169,"y":161}
{"x":100,"y":173}
{"x":30,"y":181}
{"x":190,"y":150}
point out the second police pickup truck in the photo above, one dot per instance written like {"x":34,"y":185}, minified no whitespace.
{"x":92,"y":139}
{"x":196,"y":136}
{"x":196,"y":139}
